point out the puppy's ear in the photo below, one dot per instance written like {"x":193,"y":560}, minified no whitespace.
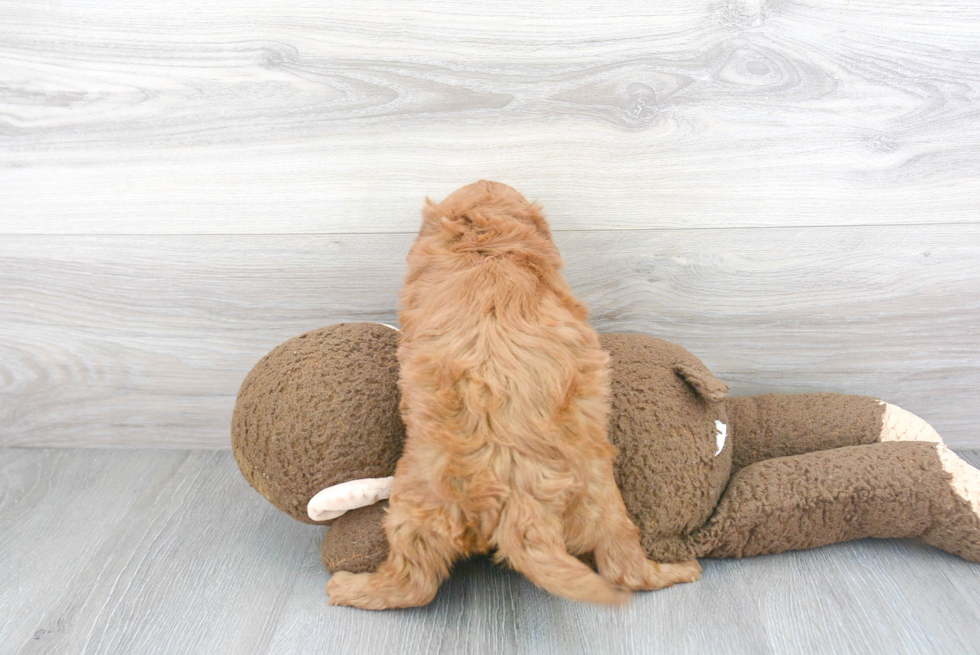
{"x":537,"y":215}
{"x":430,"y":216}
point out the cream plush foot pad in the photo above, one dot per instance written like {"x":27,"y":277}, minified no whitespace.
{"x":898,"y":424}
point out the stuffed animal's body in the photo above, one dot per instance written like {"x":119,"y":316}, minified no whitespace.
{"x":702,"y":475}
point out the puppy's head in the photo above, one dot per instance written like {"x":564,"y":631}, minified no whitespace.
{"x":489,"y":208}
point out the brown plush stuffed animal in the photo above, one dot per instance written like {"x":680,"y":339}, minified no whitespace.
{"x":317,"y":431}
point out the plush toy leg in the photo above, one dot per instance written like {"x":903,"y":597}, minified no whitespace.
{"x":889,"y":489}
{"x":356,"y":542}
{"x":779,"y":425}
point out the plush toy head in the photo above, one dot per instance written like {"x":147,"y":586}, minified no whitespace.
{"x":668,"y":421}
{"x":318,"y":411}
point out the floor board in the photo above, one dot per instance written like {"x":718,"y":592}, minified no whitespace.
{"x":145,"y":551}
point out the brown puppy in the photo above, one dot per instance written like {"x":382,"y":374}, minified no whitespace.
{"x":505,"y":395}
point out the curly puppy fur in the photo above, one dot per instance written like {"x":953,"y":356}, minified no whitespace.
{"x":505,"y":396}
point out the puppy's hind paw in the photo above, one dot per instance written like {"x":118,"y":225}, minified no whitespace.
{"x":689,"y":571}
{"x":336,"y":583}
{"x":661,"y":576}
{"x":352,"y":589}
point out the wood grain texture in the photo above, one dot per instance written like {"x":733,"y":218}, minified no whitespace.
{"x":163,"y":552}
{"x":56,"y":508}
{"x":145,"y":340}
{"x":194,"y":566}
{"x":135,"y":117}
{"x":788,"y":188}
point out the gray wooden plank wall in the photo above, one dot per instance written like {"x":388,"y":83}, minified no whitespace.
{"x":790,"y":189}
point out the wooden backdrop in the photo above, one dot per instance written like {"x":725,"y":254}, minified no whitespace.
{"x":789,"y":188}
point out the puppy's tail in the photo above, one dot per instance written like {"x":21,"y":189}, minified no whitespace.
{"x":531,"y":540}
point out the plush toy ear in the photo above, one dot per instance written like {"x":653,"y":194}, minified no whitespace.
{"x":703,"y":382}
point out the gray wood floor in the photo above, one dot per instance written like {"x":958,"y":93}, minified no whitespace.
{"x":167,"y":551}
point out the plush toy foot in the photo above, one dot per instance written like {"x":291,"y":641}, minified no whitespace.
{"x":955,"y":529}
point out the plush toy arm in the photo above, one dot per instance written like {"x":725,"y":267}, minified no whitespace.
{"x":340,"y":498}
{"x":780,"y":425}
{"x":890,"y":489}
